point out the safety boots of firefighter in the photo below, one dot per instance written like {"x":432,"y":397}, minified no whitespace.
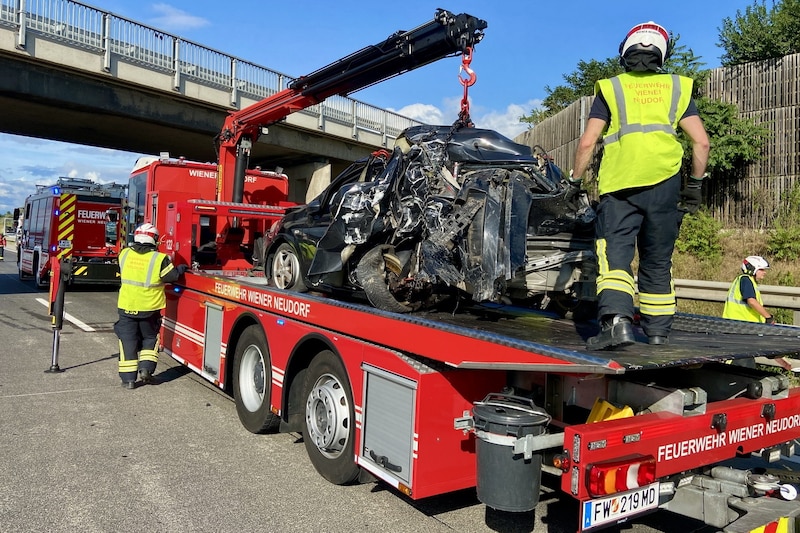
{"x":129,"y":385}
{"x":658,"y":340}
{"x":147,"y":377}
{"x":615,"y":332}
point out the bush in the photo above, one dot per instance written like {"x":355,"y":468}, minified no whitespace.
{"x":784,"y":241}
{"x":699,"y":236}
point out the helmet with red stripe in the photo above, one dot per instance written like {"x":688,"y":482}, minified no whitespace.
{"x":146,"y":234}
{"x":645,"y":47}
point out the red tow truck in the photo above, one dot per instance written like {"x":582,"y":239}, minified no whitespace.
{"x":486,"y":395}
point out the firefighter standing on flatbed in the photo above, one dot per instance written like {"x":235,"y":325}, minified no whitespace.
{"x":637,"y":114}
{"x":143,"y":272}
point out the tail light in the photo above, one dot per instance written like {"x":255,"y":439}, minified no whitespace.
{"x":621,"y":475}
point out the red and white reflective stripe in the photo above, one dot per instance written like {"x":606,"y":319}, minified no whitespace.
{"x":649,"y":26}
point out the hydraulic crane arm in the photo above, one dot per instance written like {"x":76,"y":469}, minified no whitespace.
{"x":446,"y":35}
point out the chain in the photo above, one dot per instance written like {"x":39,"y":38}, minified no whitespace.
{"x":467,"y":80}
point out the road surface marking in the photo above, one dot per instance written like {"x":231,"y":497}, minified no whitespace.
{"x":68,"y":316}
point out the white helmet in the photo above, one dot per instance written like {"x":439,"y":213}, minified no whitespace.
{"x":146,"y":234}
{"x":648,"y":38}
{"x":754,"y":263}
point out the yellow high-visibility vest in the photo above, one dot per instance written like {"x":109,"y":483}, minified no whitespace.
{"x":736,"y":308}
{"x":141,"y":287}
{"x":640,"y":146}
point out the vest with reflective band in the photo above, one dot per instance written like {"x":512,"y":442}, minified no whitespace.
{"x":141,"y":288}
{"x":640,"y":147}
{"x":737,"y":308}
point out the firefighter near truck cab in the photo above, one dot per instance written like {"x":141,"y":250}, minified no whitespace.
{"x":482,"y":395}
{"x":76,"y":219}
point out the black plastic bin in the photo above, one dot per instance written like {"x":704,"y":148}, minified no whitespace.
{"x":507,"y":481}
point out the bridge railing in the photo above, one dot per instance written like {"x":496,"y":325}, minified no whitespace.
{"x":84,"y":26}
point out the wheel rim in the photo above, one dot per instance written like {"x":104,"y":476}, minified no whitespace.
{"x":285,"y":269}
{"x":328,"y":416}
{"x":252,"y":382}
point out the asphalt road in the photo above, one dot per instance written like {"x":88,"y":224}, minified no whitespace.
{"x":80,"y":453}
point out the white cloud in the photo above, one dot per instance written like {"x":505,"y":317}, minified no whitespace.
{"x":505,"y":121}
{"x":426,"y":113}
{"x":173,"y":19}
{"x":24,"y":167}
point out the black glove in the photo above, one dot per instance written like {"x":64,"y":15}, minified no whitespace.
{"x":181,"y":269}
{"x":770,"y":319}
{"x":573,"y":188}
{"x":691,"y":196}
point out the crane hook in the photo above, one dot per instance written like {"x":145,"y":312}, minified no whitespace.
{"x":467,"y":82}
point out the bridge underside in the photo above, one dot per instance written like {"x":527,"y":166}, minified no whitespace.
{"x":45,"y":101}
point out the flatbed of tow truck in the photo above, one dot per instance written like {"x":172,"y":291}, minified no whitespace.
{"x":558,"y":342}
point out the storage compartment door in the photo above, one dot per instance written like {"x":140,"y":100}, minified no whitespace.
{"x":212,"y":347}
{"x":388,"y":426}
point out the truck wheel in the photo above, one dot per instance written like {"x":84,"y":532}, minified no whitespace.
{"x":330,"y":420}
{"x":285,"y":269}
{"x":22,"y":275}
{"x":252,"y":379}
{"x":41,"y":281}
{"x":372,"y":272}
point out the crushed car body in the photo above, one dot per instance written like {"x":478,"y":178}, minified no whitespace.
{"x":452,"y":212}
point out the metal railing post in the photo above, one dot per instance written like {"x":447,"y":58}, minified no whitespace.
{"x":234,"y":83}
{"x":22,"y":21}
{"x":106,"y":42}
{"x":176,"y":63}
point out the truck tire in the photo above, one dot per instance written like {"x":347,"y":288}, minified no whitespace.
{"x":42,"y":282}
{"x":284,"y":269}
{"x":252,"y":380}
{"x":22,"y":275}
{"x":329,"y":433}
{"x":372,"y":271}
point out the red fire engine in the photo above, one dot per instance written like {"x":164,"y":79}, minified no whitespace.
{"x":157,"y":181}
{"x":74,"y":218}
{"x":492,"y":396}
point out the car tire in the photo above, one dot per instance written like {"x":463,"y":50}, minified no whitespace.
{"x":372,"y":273}
{"x":284,"y":269}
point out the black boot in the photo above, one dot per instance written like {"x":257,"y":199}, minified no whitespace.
{"x":615,"y":331}
{"x":147,"y":378}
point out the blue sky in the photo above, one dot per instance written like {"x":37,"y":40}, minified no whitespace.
{"x":528,"y":45}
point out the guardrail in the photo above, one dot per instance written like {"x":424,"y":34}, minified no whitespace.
{"x":89,"y":28}
{"x":775,"y":296}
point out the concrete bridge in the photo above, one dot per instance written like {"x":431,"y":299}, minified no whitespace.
{"x":74,"y":73}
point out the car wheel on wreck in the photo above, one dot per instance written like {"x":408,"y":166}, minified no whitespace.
{"x":284,"y":269}
{"x":379,"y":269}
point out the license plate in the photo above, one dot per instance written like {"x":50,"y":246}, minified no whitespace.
{"x":620,"y":506}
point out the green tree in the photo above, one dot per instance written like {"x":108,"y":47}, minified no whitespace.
{"x":580,"y":82}
{"x":760,"y":32}
{"x":735,"y":141}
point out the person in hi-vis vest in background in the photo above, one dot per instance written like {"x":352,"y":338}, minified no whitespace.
{"x":638,"y":114}
{"x":143,"y":272}
{"x":744,"y":297}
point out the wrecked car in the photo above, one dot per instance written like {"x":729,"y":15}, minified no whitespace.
{"x":452,"y":212}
